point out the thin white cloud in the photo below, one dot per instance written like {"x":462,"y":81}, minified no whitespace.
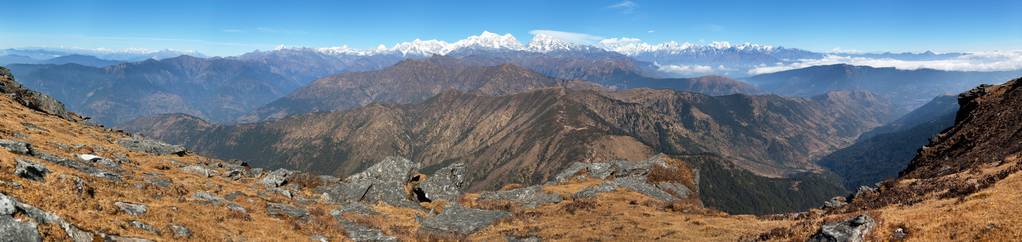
{"x":650,"y":31}
{"x":626,"y":6}
{"x":578,"y":38}
{"x":981,"y":61}
{"x":686,"y":70}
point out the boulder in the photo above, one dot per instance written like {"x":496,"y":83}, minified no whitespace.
{"x":198,"y":170}
{"x":391,"y":168}
{"x":528,"y":197}
{"x":461,"y":220}
{"x":98,"y":160}
{"x":446,"y":184}
{"x":141,"y":144}
{"x":16,"y":147}
{"x":12,"y":229}
{"x":83,"y":167}
{"x":852,"y":230}
{"x":144,"y":226}
{"x":208,"y":198}
{"x":180,"y":231}
{"x":278,"y":209}
{"x":131,"y":208}
{"x":276,"y":178}
{"x":30,"y":170}
{"x":156,"y":179}
{"x":591,"y":191}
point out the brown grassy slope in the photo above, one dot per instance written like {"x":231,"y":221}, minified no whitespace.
{"x":166,"y":205}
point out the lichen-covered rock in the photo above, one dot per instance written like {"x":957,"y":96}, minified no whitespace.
{"x":144,"y":226}
{"x":461,"y":220}
{"x":852,"y":230}
{"x":16,"y":147}
{"x":141,"y":144}
{"x":131,"y":208}
{"x":446,"y":184}
{"x":528,"y":197}
{"x":208,"y":198}
{"x":80,"y":166}
{"x":30,"y":170}
{"x":593,"y":190}
{"x":383,"y":182}
{"x":12,"y":229}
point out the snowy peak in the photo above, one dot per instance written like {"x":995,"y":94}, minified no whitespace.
{"x":489,"y":40}
{"x":546,"y":43}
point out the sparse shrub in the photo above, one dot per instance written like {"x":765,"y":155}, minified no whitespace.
{"x":580,"y":204}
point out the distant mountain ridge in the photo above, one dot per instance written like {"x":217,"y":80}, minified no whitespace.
{"x":907,"y":89}
{"x":215,"y":88}
{"x":413,"y":80}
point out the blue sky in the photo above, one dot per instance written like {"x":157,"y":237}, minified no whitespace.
{"x":234,"y":27}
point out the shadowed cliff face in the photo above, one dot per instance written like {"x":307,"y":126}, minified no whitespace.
{"x":527,"y":137}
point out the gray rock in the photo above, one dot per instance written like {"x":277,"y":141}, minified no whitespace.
{"x":208,"y":198}
{"x":198,"y":170}
{"x":358,"y":232}
{"x":13,"y":230}
{"x":83,"y":167}
{"x":446,"y":184}
{"x":156,"y":179}
{"x":640,"y":185}
{"x":144,"y":226}
{"x":180,"y":231}
{"x":7,"y":205}
{"x":391,"y":168}
{"x":383,"y":182}
{"x":677,"y":189}
{"x":141,"y":144}
{"x":277,"y":209}
{"x":461,"y":220}
{"x":276,"y":178}
{"x":16,"y":147}
{"x":591,"y":191}
{"x":357,"y":208}
{"x":572,"y":170}
{"x":98,"y":160}
{"x":115,"y":238}
{"x":131,"y":208}
{"x":528,"y":197}
{"x":852,"y":230}
{"x":237,"y":208}
{"x":30,"y":170}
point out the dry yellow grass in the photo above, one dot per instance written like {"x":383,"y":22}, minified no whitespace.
{"x":172,"y":205}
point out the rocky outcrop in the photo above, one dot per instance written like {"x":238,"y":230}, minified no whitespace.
{"x":131,"y":208}
{"x":33,"y":99}
{"x":461,"y":220}
{"x":630,"y":175}
{"x":446,"y":184}
{"x":852,"y":230}
{"x":382,"y":182}
{"x":142,"y":144}
{"x":14,"y":229}
{"x":528,"y":197}
{"x":30,"y":170}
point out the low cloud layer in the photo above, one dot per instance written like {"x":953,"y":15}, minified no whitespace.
{"x":982,"y":61}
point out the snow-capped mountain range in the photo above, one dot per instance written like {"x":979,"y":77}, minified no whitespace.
{"x":540,"y":43}
{"x":129,"y":54}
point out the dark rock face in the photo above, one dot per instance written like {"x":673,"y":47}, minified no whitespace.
{"x":141,"y":144}
{"x":446,"y":183}
{"x":131,"y":208}
{"x":529,"y":197}
{"x":461,"y":220}
{"x":853,"y":230}
{"x":30,"y":170}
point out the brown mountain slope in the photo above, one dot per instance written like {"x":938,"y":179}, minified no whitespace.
{"x":412,"y":81}
{"x":513,"y":138}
